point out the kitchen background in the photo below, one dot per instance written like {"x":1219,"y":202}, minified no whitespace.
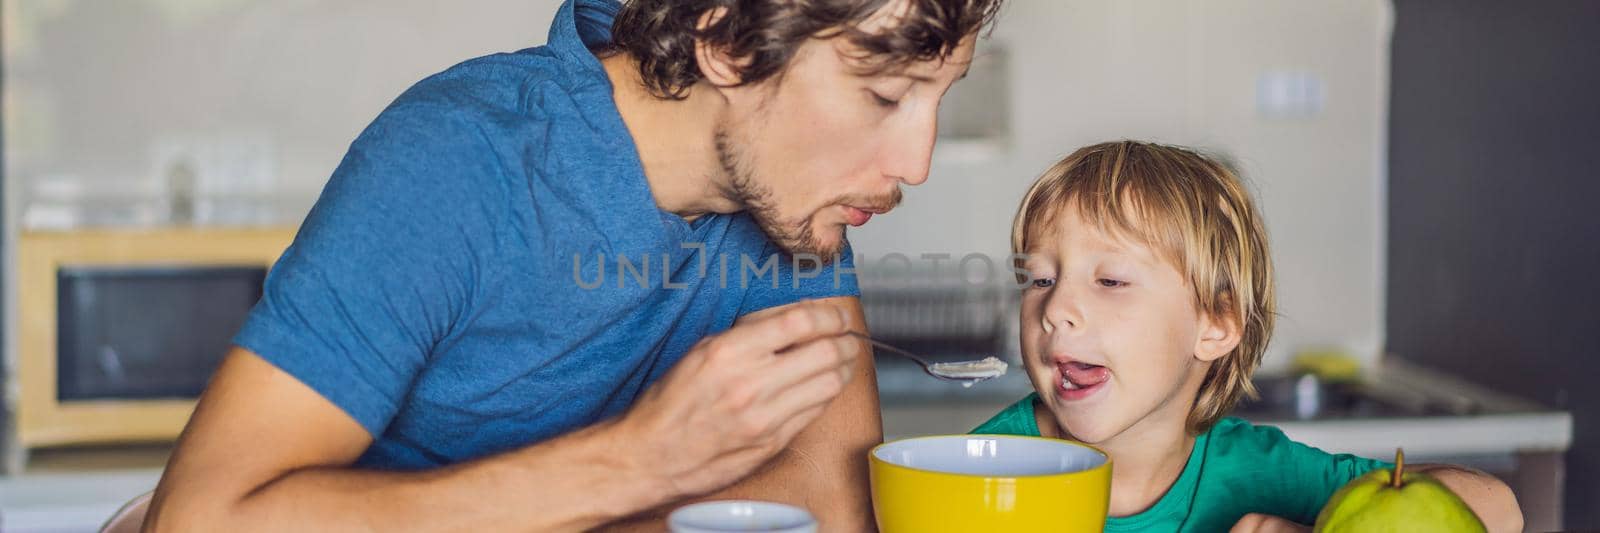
{"x":1425,"y":168}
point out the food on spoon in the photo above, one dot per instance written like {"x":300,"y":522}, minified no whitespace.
{"x":988,"y":367}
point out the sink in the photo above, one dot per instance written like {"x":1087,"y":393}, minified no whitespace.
{"x":1305,"y":397}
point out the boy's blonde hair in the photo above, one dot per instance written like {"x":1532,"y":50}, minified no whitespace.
{"x":1196,"y":213}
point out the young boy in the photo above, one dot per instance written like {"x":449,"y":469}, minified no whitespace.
{"x":1147,"y":308}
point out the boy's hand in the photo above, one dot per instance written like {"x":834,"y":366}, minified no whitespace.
{"x":1489,"y":498}
{"x":1263,"y":523}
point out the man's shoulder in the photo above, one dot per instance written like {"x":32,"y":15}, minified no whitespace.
{"x":505,"y":90}
{"x":500,"y":120}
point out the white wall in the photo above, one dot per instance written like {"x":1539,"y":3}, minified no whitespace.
{"x":94,"y":88}
{"x":1186,"y":72}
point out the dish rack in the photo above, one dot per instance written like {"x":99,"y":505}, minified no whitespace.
{"x":940,"y":317}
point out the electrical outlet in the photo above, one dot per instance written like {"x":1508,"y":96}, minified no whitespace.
{"x":216,"y":165}
{"x":1288,"y":94}
{"x":222,"y":178}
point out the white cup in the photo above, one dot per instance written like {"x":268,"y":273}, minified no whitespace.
{"x":740,"y":515}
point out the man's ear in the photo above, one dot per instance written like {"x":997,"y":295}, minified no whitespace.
{"x":716,"y":66}
{"x":1219,"y":334}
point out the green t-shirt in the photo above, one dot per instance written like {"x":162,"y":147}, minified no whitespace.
{"x":1235,"y":468}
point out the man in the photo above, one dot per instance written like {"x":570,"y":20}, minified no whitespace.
{"x":513,"y":307}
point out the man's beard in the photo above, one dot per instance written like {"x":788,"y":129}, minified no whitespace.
{"x":796,"y":238}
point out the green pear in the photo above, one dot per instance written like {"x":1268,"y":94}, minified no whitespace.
{"x":1385,"y":500}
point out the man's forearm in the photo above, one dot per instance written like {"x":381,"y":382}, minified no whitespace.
{"x":575,"y":482}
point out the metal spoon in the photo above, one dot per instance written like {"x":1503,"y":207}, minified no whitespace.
{"x":966,"y":372}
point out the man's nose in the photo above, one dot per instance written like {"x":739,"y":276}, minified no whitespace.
{"x":910,"y":154}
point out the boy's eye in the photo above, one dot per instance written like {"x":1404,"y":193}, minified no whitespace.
{"x":883,"y":102}
{"x":1111,"y":283}
{"x":1044,"y":283}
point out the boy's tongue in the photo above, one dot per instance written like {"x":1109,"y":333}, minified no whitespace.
{"x":1085,"y":374}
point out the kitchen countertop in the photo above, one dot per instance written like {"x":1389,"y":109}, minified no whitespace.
{"x":1502,"y":424}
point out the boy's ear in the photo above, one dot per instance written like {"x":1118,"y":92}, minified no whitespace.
{"x":1219,"y":335}
{"x":716,"y":66}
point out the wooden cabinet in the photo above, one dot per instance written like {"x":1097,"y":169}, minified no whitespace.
{"x":42,"y":416}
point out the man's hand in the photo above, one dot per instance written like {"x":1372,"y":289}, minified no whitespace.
{"x":1264,"y":523}
{"x":824,"y":469}
{"x":739,"y":398}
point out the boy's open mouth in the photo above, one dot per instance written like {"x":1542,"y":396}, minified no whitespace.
{"x":1079,"y":380}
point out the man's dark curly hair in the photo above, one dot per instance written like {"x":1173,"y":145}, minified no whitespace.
{"x":661,"y":34}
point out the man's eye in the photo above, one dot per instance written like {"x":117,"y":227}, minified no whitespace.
{"x":883,"y":102}
{"x":1044,"y":283}
{"x":1111,"y":283}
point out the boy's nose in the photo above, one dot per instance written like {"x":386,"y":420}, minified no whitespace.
{"x":1066,"y":324}
{"x":1061,"y":312}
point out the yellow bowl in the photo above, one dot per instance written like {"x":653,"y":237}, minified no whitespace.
{"x":989,"y":483}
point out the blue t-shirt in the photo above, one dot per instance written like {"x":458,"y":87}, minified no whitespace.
{"x":487,"y":267}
